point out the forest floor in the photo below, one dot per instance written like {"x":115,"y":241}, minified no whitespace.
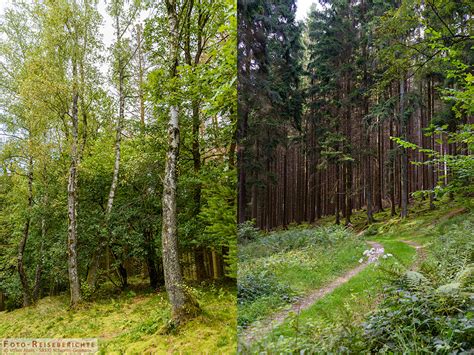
{"x":132,"y":322}
{"x":357,"y":289}
{"x":259,"y":330}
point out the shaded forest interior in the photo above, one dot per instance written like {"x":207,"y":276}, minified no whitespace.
{"x":361,"y":107}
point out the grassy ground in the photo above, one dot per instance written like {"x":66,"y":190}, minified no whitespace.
{"x":312,"y":263}
{"x":352,"y":300}
{"x":361,"y":294}
{"x":131,"y":323}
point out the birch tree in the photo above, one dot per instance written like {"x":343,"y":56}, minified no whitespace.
{"x":183,"y":305}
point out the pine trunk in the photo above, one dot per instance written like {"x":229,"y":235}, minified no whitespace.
{"x":403,"y":155}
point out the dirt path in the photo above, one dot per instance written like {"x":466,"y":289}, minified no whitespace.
{"x":449,"y":215}
{"x":420,"y":253}
{"x":261,"y":328}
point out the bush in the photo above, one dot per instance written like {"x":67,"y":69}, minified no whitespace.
{"x":247,"y":232}
{"x":260,"y":283}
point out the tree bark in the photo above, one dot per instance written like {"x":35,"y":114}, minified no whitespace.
{"x":368,"y":181}
{"x":182,"y":304}
{"x":242,"y":183}
{"x":39,"y":266}
{"x":392,"y":172}
{"x":403,"y":155}
{"x":27,"y":298}
{"x":153,"y":273}
{"x":140,"y":77}
{"x":74,"y":283}
{"x":103,"y":248}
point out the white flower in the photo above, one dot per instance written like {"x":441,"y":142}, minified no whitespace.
{"x":361,"y":260}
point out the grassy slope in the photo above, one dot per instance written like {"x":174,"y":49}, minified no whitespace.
{"x":131,"y":323}
{"x":303,"y":269}
{"x":360,"y":295}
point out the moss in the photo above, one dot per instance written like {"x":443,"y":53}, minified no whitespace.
{"x":131,"y":324}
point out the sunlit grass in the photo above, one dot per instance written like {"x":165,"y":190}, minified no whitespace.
{"x":131,"y":323}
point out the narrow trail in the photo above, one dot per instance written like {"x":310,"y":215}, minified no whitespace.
{"x":263,"y":327}
{"x":420,"y":253}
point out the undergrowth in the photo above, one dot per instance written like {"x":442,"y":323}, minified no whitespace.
{"x":428,"y":310}
{"x":276,"y":268}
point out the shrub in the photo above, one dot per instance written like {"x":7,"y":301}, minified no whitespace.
{"x":260,"y":283}
{"x":247,"y":232}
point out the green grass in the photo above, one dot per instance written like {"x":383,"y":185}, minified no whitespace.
{"x":131,"y":323}
{"x":352,"y":299}
{"x":310,"y":260}
{"x":308,"y":269}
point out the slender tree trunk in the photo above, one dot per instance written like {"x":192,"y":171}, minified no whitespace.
{"x":392,"y":172}
{"x":140,"y":76}
{"x":182,"y":304}
{"x":337,"y":193}
{"x":74,"y":283}
{"x":242,"y":183}
{"x":196,"y":150}
{"x":117,"y":150}
{"x":151,"y":261}
{"x":431,"y":140}
{"x":27,"y":299}
{"x":404,"y":157}
{"x":379,"y":175}
{"x":104,"y":248}
{"x":348,"y":175}
{"x":39,"y":266}
{"x":368,"y":181}
{"x":2,"y":301}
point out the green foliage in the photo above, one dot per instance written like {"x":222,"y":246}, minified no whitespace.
{"x":39,"y":49}
{"x":261,"y":283}
{"x":247,"y":232}
{"x":460,"y":166}
{"x":218,"y":216}
{"x":426,"y":311}
{"x":285,"y":241}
